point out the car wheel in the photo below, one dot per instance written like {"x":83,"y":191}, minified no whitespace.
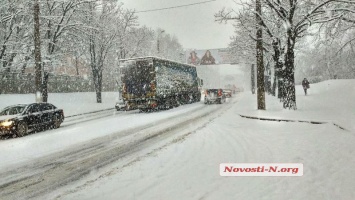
{"x":56,"y":122}
{"x":21,"y":129}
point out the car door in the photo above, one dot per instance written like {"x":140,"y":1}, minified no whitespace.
{"x":45,"y":113}
{"x":34,"y":116}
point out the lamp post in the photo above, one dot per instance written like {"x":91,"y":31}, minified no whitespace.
{"x":158,"y":41}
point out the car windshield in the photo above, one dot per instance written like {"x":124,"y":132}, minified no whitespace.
{"x":13,"y":110}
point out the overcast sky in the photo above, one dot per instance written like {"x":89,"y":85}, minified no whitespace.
{"x":194,"y":26}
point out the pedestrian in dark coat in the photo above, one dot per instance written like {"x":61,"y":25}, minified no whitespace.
{"x":305,"y":85}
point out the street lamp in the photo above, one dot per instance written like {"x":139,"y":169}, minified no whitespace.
{"x":158,"y":38}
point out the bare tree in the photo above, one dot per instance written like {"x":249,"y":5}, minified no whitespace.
{"x":296,"y":17}
{"x":245,"y":30}
{"x":105,"y":22}
{"x":15,"y":19}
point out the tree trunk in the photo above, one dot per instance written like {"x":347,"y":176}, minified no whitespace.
{"x":37,"y":53}
{"x":98,"y":95}
{"x":76,"y":65}
{"x":23,"y":68}
{"x":290,"y":96}
{"x":45,"y":87}
{"x":277,"y":68}
{"x":273,"y":91}
{"x":280,"y":89}
{"x":97,"y":76}
{"x":252,"y":79}
{"x":98,"y":88}
{"x":260,"y":59}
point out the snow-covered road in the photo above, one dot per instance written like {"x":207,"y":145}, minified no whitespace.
{"x":57,"y":157}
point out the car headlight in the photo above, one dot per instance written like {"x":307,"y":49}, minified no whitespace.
{"x":6,"y":123}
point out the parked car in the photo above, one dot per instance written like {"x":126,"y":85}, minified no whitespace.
{"x":23,"y":118}
{"x":214,"y":96}
{"x":227,"y":92}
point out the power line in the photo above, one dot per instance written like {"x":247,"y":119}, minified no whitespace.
{"x":173,"y":7}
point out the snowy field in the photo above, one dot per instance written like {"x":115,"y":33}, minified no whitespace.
{"x":188,"y":168}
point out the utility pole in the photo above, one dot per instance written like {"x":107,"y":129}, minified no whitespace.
{"x":259,"y":58}
{"x":37,"y":52}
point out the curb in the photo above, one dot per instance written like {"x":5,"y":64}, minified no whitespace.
{"x":96,"y":111}
{"x":293,"y":120}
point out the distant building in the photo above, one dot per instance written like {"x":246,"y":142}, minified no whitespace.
{"x":208,"y":56}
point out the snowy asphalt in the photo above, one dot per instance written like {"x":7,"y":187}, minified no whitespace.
{"x":39,"y":176}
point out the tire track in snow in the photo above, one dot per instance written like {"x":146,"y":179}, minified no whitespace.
{"x":49,"y":173}
{"x":178,"y":139}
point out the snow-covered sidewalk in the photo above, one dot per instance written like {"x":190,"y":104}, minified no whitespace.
{"x":329,"y":101}
{"x":189,"y":169}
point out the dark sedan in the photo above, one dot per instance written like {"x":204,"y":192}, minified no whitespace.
{"x":22,"y":118}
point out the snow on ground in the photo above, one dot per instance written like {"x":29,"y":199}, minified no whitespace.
{"x":190,"y":169}
{"x":328,"y":101}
